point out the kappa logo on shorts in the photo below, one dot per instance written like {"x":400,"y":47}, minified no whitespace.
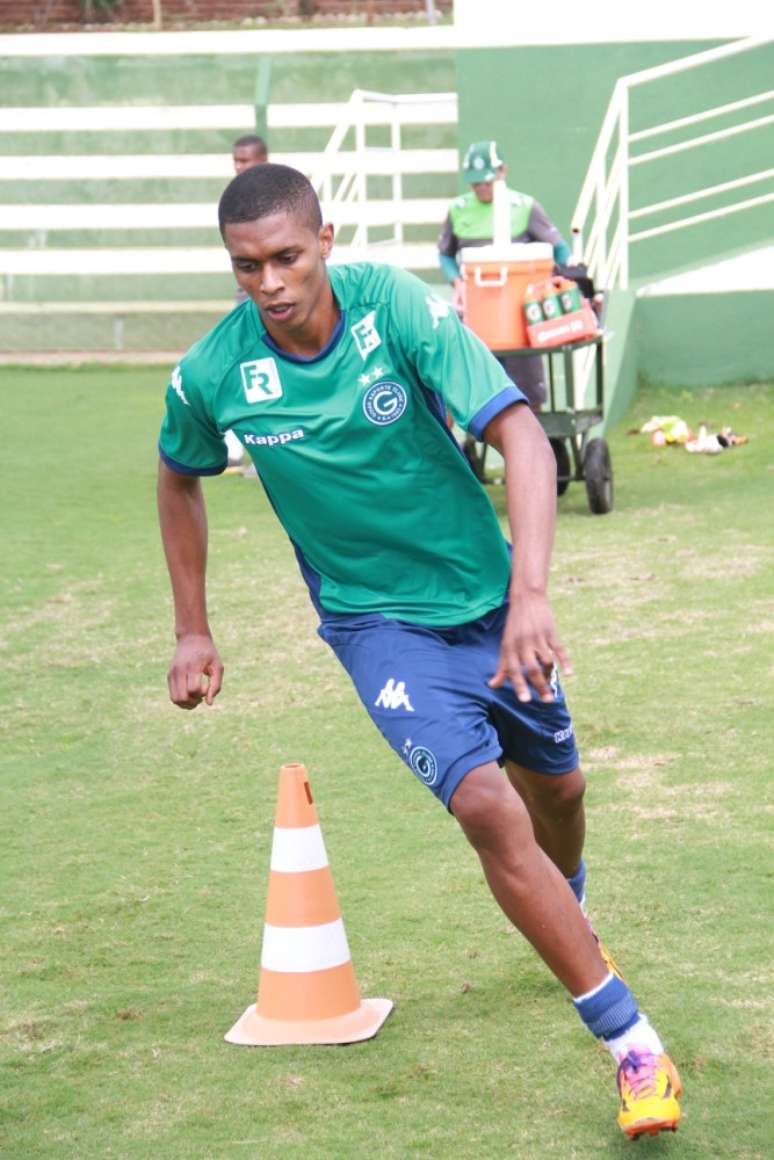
{"x":423,"y":763}
{"x":384,"y":402}
{"x":261,"y":381}
{"x":563,"y":734}
{"x":394,"y":696}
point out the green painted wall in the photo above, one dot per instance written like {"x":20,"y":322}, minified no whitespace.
{"x":620,"y":356}
{"x":219,"y":80}
{"x":545,"y":106}
{"x":119,"y":331}
{"x":705,"y":339}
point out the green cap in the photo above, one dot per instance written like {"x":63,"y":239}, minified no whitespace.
{"x":481,"y":162}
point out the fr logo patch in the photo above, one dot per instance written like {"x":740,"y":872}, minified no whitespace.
{"x":260,"y":380}
{"x":365,"y":334}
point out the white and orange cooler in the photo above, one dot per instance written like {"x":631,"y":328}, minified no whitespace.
{"x":496,"y":280}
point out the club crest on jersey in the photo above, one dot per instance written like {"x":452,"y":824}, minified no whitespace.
{"x":384,"y":402}
{"x":365,"y":334}
{"x":261,"y":381}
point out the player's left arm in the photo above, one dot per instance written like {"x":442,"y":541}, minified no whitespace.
{"x":530,"y":639}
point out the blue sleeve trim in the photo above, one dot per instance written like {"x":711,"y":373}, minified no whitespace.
{"x":182,"y":469}
{"x":502,"y":399}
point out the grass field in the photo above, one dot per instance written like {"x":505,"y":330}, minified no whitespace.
{"x":135,"y":837}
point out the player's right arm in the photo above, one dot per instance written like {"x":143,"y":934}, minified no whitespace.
{"x":190,"y":446}
{"x":196,"y":672}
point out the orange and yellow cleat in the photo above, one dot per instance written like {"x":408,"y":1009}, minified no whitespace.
{"x":649,"y":1087}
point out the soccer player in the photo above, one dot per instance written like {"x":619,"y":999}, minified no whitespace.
{"x":337,"y":381}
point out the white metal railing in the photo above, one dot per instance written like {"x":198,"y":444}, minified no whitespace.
{"x":112,"y":118}
{"x":155,"y":215}
{"x":341,"y":178}
{"x":341,"y":174}
{"x":602,"y":222}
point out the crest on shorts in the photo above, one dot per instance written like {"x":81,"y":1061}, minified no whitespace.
{"x":422,"y":761}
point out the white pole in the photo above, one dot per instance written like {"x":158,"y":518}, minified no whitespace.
{"x":501,"y":213}
{"x":623,"y":199}
{"x":397,"y":177}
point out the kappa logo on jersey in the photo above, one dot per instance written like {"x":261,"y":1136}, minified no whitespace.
{"x":177,"y":385}
{"x":365,"y":334}
{"x":422,"y":761}
{"x":438,"y":309}
{"x":394,"y":696}
{"x":260,"y":380}
{"x":384,"y":402}
{"x":278,"y":440}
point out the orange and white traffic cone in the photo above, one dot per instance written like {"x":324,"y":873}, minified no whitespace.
{"x":307,"y":992}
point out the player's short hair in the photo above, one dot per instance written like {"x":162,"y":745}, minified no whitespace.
{"x":252,"y":141}
{"x":268,"y":189}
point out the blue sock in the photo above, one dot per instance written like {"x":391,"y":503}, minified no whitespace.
{"x":578,"y":881}
{"x":609,"y":1010}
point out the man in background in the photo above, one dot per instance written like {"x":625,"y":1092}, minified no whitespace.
{"x":470,"y":222}
{"x":248,"y":151}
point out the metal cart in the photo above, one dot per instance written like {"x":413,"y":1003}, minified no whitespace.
{"x":577,"y":456}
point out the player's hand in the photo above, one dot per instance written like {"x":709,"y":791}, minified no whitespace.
{"x":530,"y":643}
{"x":196,"y":673}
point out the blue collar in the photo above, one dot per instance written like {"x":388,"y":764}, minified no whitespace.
{"x":338,"y":330}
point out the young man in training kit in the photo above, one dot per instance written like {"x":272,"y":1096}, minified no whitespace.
{"x":337,"y":382}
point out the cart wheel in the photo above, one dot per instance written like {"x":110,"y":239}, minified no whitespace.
{"x":563,"y":467}
{"x":598,"y":473}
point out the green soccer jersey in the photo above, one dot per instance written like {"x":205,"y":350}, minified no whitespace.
{"x":353,"y":448}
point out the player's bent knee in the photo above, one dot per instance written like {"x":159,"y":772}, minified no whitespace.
{"x":485,"y":804}
{"x":559,"y":793}
{"x":567,"y":790}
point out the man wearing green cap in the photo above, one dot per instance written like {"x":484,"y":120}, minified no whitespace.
{"x":470,"y":222}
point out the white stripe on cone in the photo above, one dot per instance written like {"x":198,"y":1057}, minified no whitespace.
{"x":298,"y":849}
{"x":304,"y":948}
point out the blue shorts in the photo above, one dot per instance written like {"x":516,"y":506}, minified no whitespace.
{"x":426,"y":691}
